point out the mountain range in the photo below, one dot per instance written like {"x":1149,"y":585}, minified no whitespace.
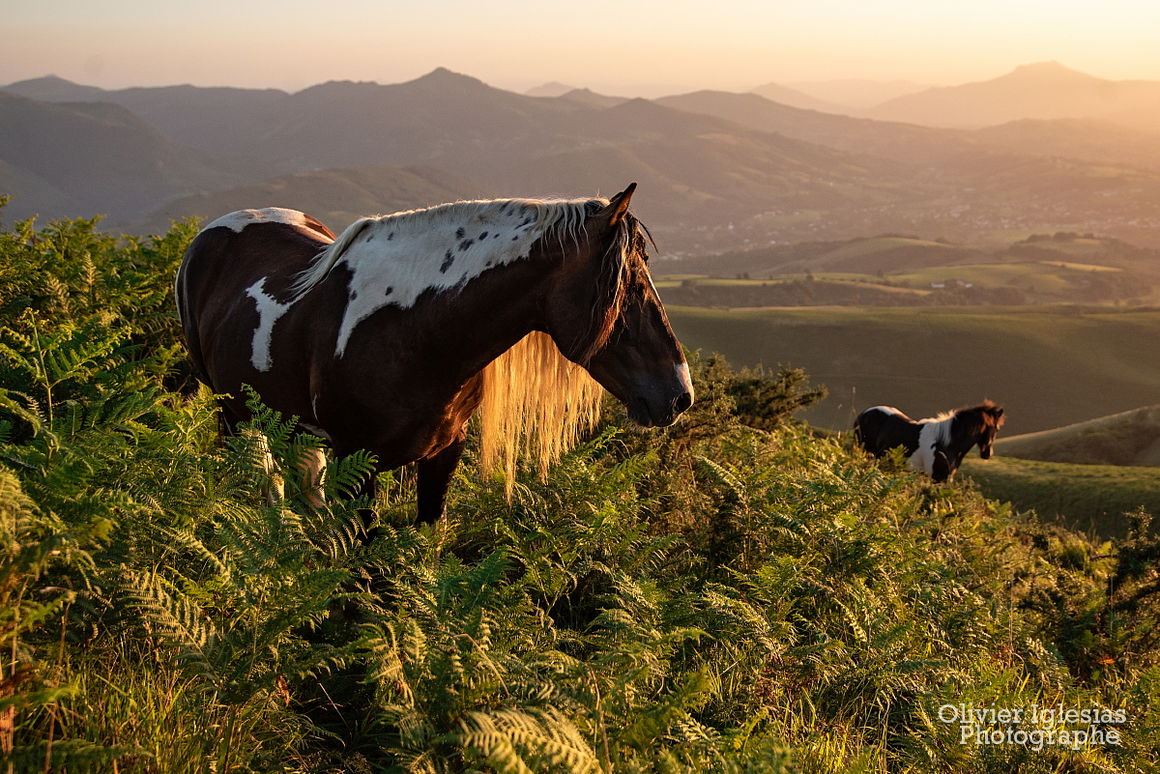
{"x":1045,"y":90}
{"x":717,"y":170}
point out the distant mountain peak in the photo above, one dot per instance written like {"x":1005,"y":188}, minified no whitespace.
{"x":551,"y":89}
{"x":50,"y":78}
{"x":1047,"y":66}
{"x":1049,"y":69}
{"x":441,"y":76}
{"x":52,"y":88}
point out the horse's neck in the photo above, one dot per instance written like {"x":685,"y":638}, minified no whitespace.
{"x":477,"y":324}
{"x":959,"y":444}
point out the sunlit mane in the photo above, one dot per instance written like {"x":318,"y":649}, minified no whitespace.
{"x":512,"y":226}
{"x":535,"y":403}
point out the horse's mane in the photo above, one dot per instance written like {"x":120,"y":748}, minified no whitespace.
{"x":986,"y":413}
{"x":536,"y":402}
{"x":558,"y":219}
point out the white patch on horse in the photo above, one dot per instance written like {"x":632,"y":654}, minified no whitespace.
{"x":394,"y":259}
{"x":269,"y":311}
{"x":236,"y":221}
{"x":890,"y":410}
{"x":684,"y":379}
{"x":935,"y":434}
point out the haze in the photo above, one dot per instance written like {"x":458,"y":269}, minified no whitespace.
{"x":644,"y":48}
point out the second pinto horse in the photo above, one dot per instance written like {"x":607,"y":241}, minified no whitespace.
{"x":935,"y":446}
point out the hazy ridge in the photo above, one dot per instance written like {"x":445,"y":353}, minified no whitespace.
{"x":717,"y":170}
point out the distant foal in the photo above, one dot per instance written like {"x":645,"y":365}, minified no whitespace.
{"x":936,"y":446}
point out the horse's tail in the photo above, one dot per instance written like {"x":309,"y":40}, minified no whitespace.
{"x":186,"y":314}
{"x":858,"y":438}
{"x":536,"y":403}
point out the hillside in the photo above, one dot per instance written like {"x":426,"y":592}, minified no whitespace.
{"x":1086,"y":475}
{"x":1041,"y":269}
{"x":1046,"y":90}
{"x":857,"y":93}
{"x":335,"y":196}
{"x":1078,"y":138}
{"x":927,"y":359}
{"x":721,"y":171}
{"x":1006,"y":179}
{"x":228,"y":121}
{"x":63,"y":159}
{"x":900,"y":142}
{"x":1096,"y":499}
{"x":787,"y":95}
{"x":1127,"y":438}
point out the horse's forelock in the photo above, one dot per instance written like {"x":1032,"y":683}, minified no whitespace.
{"x":993,"y":413}
{"x":610,"y":287}
{"x":976,"y":419}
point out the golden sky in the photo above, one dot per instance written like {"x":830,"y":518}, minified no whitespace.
{"x":647,"y":48}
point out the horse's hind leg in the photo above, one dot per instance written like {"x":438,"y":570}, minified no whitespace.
{"x":273,"y":487}
{"x":312,"y":466}
{"x":434,"y":477}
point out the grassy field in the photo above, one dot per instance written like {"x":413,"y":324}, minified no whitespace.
{"x":1049,"y":367}
{"x":1042,"y":270}
{"x":1127,"y":438}
{"x":1039,"y":277}
{"x":1091,"y":498}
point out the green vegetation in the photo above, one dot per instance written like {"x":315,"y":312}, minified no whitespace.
{"x":1127,"y":438}
{"x":1092,"y":498}
{"x":712,"y":597}
{"x":1048,"y":366}
{"x":1042,"y":269}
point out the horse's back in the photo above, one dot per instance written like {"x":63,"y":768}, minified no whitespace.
{"x":226,"y":258}
{"x":877,"y":429}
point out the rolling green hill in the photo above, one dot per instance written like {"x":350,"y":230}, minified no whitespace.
{"x":1057,"y":268}
{"x":1127,"y":438}
{"x":1049,"y":366}
{"x":1091,"y":498}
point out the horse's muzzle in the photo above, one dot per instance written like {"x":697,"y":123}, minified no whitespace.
{"x":659,"y":413}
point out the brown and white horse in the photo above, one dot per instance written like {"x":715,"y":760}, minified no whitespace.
{"x":935,"y":446}
{"x":386,"y":338}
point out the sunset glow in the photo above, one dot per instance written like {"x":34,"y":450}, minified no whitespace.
{"x":640,"y":48}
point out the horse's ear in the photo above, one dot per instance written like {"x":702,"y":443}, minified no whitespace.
{"x":618,"y":206}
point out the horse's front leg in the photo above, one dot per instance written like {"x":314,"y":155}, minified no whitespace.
{"x":434,"y":475}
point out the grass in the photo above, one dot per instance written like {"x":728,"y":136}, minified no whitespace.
{"x":1127,"y":438}
{"x":852,"y":280}
{"x":1048,"y":366}
{"x":1091,"y":498}
{"x":1032,"y":276}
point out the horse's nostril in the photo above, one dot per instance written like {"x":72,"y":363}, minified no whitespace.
{"x":683,"y":402}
